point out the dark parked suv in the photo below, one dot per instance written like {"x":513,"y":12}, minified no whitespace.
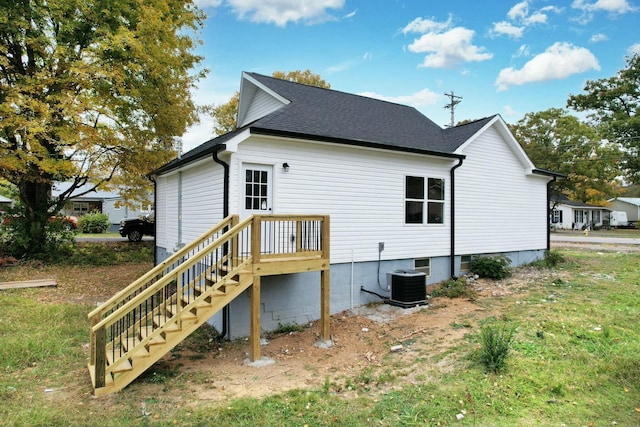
{"x":135,"y":228}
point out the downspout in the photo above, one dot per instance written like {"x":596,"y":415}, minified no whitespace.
{"x":452,"y":258}
{"x":549,"y":184}
{"x":155,"y":231}
{"x":225,"y":213}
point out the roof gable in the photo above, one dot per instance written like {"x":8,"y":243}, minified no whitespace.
{"x":256,"y":100}
{"x":631,"y":200}
{"x":501,"y":127}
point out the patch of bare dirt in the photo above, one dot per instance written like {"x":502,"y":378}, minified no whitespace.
{"x":363,"y":341}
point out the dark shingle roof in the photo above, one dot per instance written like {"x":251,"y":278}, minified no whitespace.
{"x":330,"y":115}
{"x":335,"y":115}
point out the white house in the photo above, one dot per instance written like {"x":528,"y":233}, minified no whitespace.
{"x":571,"y":215}
{"x":401,"y":192}
{"x":630,"y":205}
{"x":5,"y":203}
{"x":106,"y":202}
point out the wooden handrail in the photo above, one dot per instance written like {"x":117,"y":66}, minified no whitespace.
{"x":117,"y":298}
{"x":163,"y":281}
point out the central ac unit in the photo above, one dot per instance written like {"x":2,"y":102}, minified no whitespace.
{"x":408,"y":288}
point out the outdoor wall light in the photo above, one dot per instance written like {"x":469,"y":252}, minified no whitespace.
{"x":285,"y":166}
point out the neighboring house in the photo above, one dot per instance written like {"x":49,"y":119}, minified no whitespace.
{"x":571,"y":215}
{"x":5,"y":203}
{"x":106,"y":202}
{"x":630,"y":205}
{"x":401,"y":192}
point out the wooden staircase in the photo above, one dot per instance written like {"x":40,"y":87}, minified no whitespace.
{"x":144,"y":321}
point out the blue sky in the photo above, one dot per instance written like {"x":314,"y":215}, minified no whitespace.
{"x":506,"y":57}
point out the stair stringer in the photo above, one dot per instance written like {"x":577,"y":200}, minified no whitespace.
{"x":174,"y":337}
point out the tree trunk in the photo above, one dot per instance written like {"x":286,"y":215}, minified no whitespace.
{"x":36,"y":200}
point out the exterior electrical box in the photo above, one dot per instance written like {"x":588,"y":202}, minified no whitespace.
{"x":408,"y":288}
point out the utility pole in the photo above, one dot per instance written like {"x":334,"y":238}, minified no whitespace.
{"x":454,"y":100}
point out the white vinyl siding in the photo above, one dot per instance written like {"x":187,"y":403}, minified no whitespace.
{"x":362,"y":190}
{"x":261,"y":105}
{"x":202,"y":199}
{"x":499,"y":208}
{"x":161,"y":212}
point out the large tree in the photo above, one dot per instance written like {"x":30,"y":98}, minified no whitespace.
{"x":226,"y":115}
{"x":558,"y":141}
{"x":613,"y":105}
{"x":91,"y":90}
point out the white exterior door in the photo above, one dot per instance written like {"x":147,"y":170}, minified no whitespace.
{"x":257,"y":195}
{"x":257,"y":199}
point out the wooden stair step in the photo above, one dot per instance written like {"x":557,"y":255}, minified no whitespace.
{"x":123,"y":367}
{"x":137,"y":353}
{"x":157,"y":340}
{"x":186,"y":314}
{"x":160,"y":320}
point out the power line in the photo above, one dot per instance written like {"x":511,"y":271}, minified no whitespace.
{"x":453,"y":101}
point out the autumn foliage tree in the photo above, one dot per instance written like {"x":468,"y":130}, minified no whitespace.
{"x":226,"y":115}
{"x":613,"y":104}
{"x":91,"y":91}
{"x":558,"y":141}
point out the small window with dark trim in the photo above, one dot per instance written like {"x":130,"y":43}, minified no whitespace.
{"x":465,"y":263}
{"x":423,"y":265}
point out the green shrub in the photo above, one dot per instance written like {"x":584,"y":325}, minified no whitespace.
{"x":14,"y":239}
{"x":455,"y":289}
{"x":495,"y":267}
{"x":93,"y":223}
{"x":495,"y":342}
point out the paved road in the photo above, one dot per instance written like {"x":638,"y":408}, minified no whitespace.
{"x":109,"y":239}
{"x":592,"y":239}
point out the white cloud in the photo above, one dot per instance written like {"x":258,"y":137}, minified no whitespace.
{"x":508,"y":29}
{"x":559,"y":61}
{"x":207,"y":3}
{"x":420,"y":25}
{"x":351,"y":15}
{"x":520,"y":14}
{"x":343,"y":66}
{"x":509,"y":112}
{"x":611,"y":6}
{"x":281,"y":12}
{"x":522,"y":51}
{"x":519,"y":11}
{"x":598,"y":38}
{"x":419,"y":99}
{"x":536,"y":18}
{"x":634,"y":49}
{"x":445,"y":47}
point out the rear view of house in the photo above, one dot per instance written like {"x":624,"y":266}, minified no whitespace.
{"x":402,"y":193}
{"x":316,"y":187}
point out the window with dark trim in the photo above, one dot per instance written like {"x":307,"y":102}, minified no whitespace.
{"x":416,"y":199}
{"x":436,"y":201}
{"x":423,"y":265}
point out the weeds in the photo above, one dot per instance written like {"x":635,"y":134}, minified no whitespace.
{"x":496,"y":342}
{"x":288,"y":328}
{"x":455,"y":289}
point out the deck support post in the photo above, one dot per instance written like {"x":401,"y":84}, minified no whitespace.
{"x":325,"y":281}
{"x":100,"y":358}
{"x":254,"y":354}
{"x":325,"y":312}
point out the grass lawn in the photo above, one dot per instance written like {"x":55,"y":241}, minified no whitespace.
{"x":574,"y":361}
